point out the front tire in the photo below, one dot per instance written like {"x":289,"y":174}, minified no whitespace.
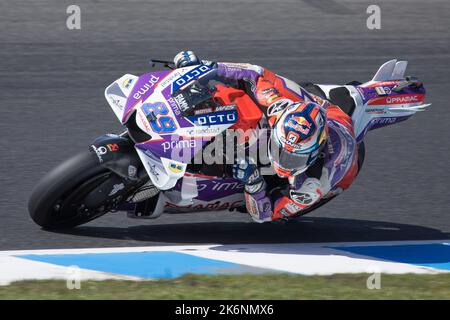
{"x":54,"y":200}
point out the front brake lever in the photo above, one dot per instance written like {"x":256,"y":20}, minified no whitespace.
{"x":165,"y":63}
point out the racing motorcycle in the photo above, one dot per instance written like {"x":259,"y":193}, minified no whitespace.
{"x":166,"y":113}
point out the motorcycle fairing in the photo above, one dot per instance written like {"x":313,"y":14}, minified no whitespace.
{"x":142,"y":89}
{"x":117,"y":93}
{"x":378,"y":104}
{"x":151,"y":95}
{"x":211,"y":194}
{"x":163,"y":172}
{"x":117,"y":154}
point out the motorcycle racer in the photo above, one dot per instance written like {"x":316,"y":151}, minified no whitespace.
{"x":312,"y":143}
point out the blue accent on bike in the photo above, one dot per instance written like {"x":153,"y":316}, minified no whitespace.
{"x":190,"y":76}
{"x":215,"y":118}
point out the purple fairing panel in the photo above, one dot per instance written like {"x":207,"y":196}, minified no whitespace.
{"x":369,"y":93}
{"x":174,"y":147}
{"x":380,"y":122}
{"x":215,"y":189}
{"x":143,"y":88}
{"x":213,"y":194}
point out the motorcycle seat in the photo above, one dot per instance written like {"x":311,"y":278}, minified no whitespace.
{"x":341,"y":97}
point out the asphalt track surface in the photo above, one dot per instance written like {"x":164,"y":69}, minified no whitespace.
{"x":52,"y":106}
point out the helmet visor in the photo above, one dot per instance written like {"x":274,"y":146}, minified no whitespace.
{"x":288,"y":160}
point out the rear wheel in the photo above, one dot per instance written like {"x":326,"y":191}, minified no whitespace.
{"x":57,"y":201}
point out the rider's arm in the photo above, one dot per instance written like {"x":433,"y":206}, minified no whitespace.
{"x":226,"y":72}
{"x":239,"y":71}
{"x":258,"y":204}
{"x":238,"y":75}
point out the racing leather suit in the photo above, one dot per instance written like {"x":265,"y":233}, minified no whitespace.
{"x":333,"y":172}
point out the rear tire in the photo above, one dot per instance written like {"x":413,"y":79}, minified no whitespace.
{"x":68,"y":181}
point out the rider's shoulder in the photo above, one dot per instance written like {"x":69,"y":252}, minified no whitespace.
{"x":336,"y":115}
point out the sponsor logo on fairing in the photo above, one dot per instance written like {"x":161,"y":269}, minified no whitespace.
{"x":190,"y":76}
{"x":215,"y":118}
{"x":175,"y":167}
{"x":113,"y":147}
{"x":178,"y":144}
{"x":174,"y":106}
{"x":127,"y":83}
{"x":144,"y":121}
{"x":100,"y":151}
{"x":227,"y":107}
{"x":375,"y":111}
{"x":220,"y":186}
{"x":169,"y":78}
{"x":200,"y":131}
{"x":146,"y":87}
{"x":203,"y":111}
{"x":218,"y":205}
{"x":398,"y":100}
{"x":381,"y":91}
{"x":181,"y":101}
{"x":383,"y":121}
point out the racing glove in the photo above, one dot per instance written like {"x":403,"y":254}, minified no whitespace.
{"x":243,"y":170}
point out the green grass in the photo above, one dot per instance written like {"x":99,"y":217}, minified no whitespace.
{"x":271,"y":286}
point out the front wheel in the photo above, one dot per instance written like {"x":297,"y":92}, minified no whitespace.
{"x":57,"y":201}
